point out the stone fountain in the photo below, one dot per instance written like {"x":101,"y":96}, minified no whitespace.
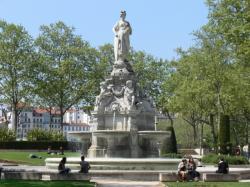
{"x":123,"y":117}
{"x":123,"y":125}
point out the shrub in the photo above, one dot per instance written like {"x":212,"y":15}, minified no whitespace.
{"x":7,"y":135}
{"x":234,"y":160}
{"x":172,"y":155}
{"x":55,"y":145}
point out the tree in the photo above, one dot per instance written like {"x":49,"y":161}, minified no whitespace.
{"x":65,"y":73}
{"x":16,"y":55}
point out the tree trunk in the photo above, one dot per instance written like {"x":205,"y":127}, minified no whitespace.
{"x":201,"y":139}
{"x":50,"y":117}
{"x":170,"y":118}
{"x":61,"y":118}
{"x":14,"y":119}
{"x":211,"y":119}
{"x":195,"y":132}
{"x":224,"y":134}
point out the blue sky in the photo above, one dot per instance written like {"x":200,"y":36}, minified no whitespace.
{"x":159,"y":26}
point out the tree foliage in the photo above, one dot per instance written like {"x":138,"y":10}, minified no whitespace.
{"x":16,"y":55}
{"x":44,"y":135}
{"x":7,"y":135}
{"x":65,"y":71}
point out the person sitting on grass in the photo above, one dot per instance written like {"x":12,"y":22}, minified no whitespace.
{"x":182,"y":170}
{"x":222,"y":167}
{"x":84,"y":165}
{"x":61,"y":168}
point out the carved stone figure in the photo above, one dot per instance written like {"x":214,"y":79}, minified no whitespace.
{"x":105,"y":96}
{"x":122,"y":30}
{"x":129,"y":95}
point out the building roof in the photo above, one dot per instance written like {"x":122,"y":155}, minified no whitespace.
{"x":40,"y":111}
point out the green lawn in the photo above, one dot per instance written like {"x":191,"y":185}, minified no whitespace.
{"x":207,"y":184}
{"x":22,"y":157}
{"x":23,"y":183}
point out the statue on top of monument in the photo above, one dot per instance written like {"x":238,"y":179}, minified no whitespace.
{"x":122,"y":30}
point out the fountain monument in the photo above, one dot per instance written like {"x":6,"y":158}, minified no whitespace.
{"x":123,"y":135}
{"x":123,"y":117}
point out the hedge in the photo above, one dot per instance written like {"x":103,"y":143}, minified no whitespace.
{"x":234,"y":160}
{"x":33,"y":144}
{"x":172,"y":155}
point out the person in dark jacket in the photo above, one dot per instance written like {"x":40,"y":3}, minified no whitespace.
{"x":84,"y":165}
{"x":61,"y":168}
{"x":222,"y":167}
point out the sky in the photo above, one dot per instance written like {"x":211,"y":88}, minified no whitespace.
{"x":159,"y":26}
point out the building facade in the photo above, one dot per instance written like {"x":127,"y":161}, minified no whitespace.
{"x":30,"y":118}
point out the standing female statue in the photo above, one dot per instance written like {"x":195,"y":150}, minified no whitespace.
{"x":122,"y":31}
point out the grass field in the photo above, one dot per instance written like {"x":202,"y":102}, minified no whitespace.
{"x":22,"y":157}
{"x":207,"y":184}
{"x":23,"y":183}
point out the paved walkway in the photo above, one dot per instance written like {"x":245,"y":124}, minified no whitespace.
{"x":105,"y":183}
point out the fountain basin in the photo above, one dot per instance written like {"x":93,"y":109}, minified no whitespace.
{"x":118,"y":163}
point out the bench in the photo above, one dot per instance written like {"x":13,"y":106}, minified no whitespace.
{"x":214,"y":177}
{"x":45,"y":176}
{"x":22,"y":175}
{"x":168,"y":177}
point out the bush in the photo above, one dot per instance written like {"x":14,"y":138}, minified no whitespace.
{"x":34,"y":145}
{"x":7,"y":135}
{"x":234,"y":160}
{"x":44,"y":135}
{"x":172,"y":155}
